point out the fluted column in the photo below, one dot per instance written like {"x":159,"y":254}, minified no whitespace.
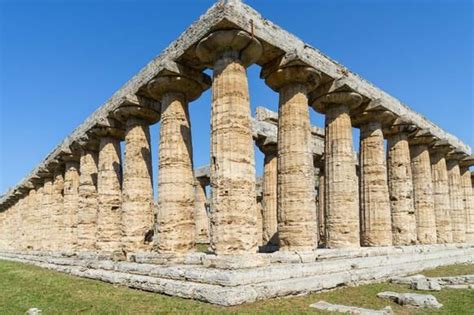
{"x":423,"y":190}
{"x":32,"y":220}
{"x":175,"y":228}
{"x":442,"y":205}
{"x":200,"y":213}
{"x":297,"y":226}
{"x":376,"y":225}
{"x":38,"y":216}
{"x":321,"y":216}
{"x":46,"y":211}
{"x":269,"y":200}
{"x":400,"y":184}
{"x":458,"y":212}
{"x":88,"y":203}
{"x":57,"y":212}
{"x":342,"y":201}
{"x":233,"y":204}
{"x":468,"y":197}
{"x":109,"y":191}
{"x":71,"y":202}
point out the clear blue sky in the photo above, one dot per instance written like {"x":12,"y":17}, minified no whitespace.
{"x":59,"y":60}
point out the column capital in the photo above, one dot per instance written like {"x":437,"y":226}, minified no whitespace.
{"x":179,"y":79}
{"x":139,"y":107}
{"x":288,"y":69}
{"x":467,"y":161}
{"x":456,"y":155}
{"x":422,"y":136}
{"x":372,"y":112}
{"x":236,"y":43}
{"x":347,"y":98}
{"x":441,"y":147}
{"x":108,"y":127}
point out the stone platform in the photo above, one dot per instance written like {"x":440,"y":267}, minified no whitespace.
{"x":236,"y":280}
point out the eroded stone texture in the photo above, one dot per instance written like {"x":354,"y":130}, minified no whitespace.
{"x":458,"y":213}
{"x":466,"y":188}
{"x":71,"y":202}
{"x":109,"y":192}
{"x":137,"y":193}
{"x":88,"y":203}
{"x":200,"y":213}
{"x":341,"y":189}
{"x":33,"y":219}
{"x":175,"y":228}
{"x":46,"y":210}
{"x":376,"y":226}
{"x":423,"y":194}
{"x":57,"y":228}
{"x":233,"y":204}
{"x":296,"y":208}
{"x":321,"y":216}
{"x":401,"y":189}
{"x":38,"y":216}
{"x":269,"y":198}
{"x":442,"y":205}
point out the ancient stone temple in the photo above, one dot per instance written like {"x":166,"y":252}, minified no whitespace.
{"x":321,"y":215}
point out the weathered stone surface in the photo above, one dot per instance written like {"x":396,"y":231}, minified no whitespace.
{"x":137,"y":191}
{"x":425,"y":285}
{"x":201,"y":217}
{"x":233,"y":204}
{"x":325,"y":306}
{"x":321,"y":216}
{"x":88,"y":203}
{"x":269,"y":202}
{"x":412,"y":299}
{"x":401,"y":189}
{"x":468,"y":197}
{"x":458,"y":212}
{"x":423,"y":194}
{"x":71,"y":203}
{"x":57,"y":229}
{"x":295,"y":179}
{"x":376,"y":225}
{"x":442,"y":205}
{"x":46,"y":208}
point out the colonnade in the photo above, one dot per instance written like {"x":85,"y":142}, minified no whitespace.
{"x":417,"y":189}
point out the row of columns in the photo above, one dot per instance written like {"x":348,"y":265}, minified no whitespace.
{"x":87,"y":202}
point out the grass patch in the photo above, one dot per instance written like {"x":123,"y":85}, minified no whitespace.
{"x":25,"y":286}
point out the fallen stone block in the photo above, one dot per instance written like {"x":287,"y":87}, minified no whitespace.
{"x":407,"y":280}
{"x":34,"y":311}
{"x":425,"y":284}
{"x":412,"y":299}
{"x":325,"y":306}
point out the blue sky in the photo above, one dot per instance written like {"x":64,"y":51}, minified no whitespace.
{"x":59,"y":60}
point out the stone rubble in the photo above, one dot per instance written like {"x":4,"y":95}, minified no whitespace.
{"x":411,"y":299}
{"x":325,"y":306}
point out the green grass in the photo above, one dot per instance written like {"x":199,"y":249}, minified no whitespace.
{"x":24,"y":286}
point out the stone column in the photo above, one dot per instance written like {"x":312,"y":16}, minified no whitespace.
{"x":38,"y":216}
{"x":269,"y":200}
{"x":376,"y":225}
{"x":109,"y":191}
{"x":46,"y":211}
{"x":400,"y":184}
{"x":233,"y":204}
{"x":175,"y":229}
{"x":467,"y":192}
{"x":88,"y":204}
{"x":32,"y":209}
{"x":341,"y":190}
{"x":321,"y":216}
{"x":71,"y":201}
{"x":200,"y":213}
{"x":442,"y":205}
{"x":458,"y":212}
{"x":297,"y":227}
{"x":57,"y":212}
{"x":423,"y":190}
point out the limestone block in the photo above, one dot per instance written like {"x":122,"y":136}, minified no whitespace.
{"x":423,"y":194}
{"x":425,"y":285}
{"x":88,"y":203}
{"x":442,"y":203}
{"x":325,"y":306}
{"x":376,"y":225}
{"x":412,"y":299}
{"x":71,"y":202}
{"x":458,"y":212}
{"x":468,"y":197}
{"x":137,"y":192}
{"x":46,"y":208}
{"x":58,"y":237}
{"x":109,"y":182}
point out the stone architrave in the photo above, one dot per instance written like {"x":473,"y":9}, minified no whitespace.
{"x":71,"y":201}
{"x":341,"y":183}
{"x":109,"y":191}
{"x":458,"y":212}
{"x":175,"y":228}
{"x":400,"y":183}
{"x":88,"y":203}
{"x":296,"y":208}
{"x":423,"y":189}
{"x":200,"y":214}
{"x":468,"y":197}
{"x":58,"y":238}
{"x":232,"y":168}
{"x":442,"y":204}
